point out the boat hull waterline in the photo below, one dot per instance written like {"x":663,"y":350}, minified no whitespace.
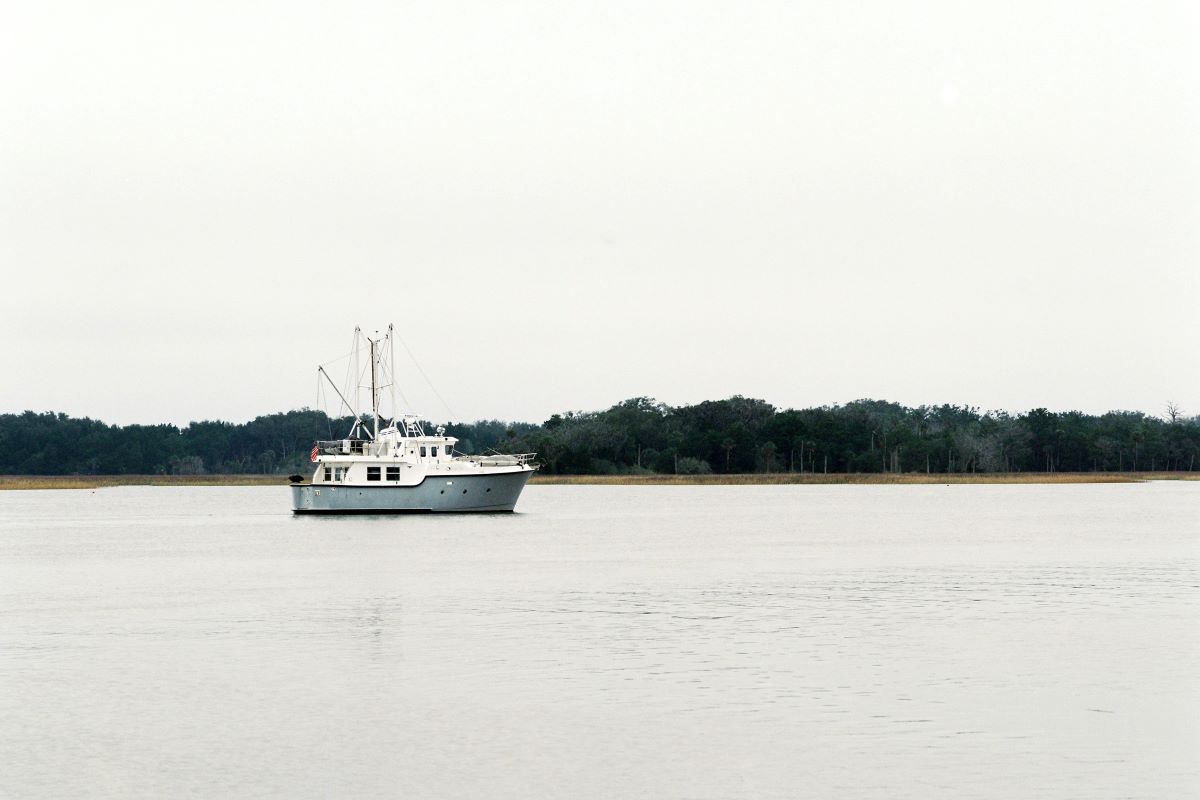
{"x":445,"y":493}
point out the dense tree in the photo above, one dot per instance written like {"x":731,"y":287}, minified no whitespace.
{"x":738,"y":434}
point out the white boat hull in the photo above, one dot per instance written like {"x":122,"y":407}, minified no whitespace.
{"x":496,"y":490}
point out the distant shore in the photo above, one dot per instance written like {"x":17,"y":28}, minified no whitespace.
{"x":20,"y":482}
{"x":872,"y":478}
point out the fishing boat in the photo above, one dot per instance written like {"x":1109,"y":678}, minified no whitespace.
{"x":400,"y":468}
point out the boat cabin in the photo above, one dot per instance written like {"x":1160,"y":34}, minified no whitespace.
{"x":394,"y":451}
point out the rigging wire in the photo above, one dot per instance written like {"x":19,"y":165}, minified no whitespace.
{"x":321,"y":404}
{"x":323,"y":400}
{"x":450,"y":411}
{"x":356,"y":373}
{"x":351,"y":359}
{"x":336,"y":359}
{"x":386,"y":367}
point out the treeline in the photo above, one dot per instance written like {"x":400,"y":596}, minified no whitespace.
{"x":641,"y":436}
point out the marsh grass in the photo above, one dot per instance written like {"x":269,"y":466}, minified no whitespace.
{"x":99,"y":481}
{"x":754,"y":479}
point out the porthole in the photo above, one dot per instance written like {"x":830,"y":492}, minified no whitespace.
{"x":489,"y":488}
{"x":464,"y":491}
{"x":443,"y":491}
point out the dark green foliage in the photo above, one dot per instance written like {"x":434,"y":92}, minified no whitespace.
{"x":747,"y":435}
{"x":640,"y":435}
{"x":55,"y":444}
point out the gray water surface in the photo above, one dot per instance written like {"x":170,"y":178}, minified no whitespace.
{"x":698,"y":642}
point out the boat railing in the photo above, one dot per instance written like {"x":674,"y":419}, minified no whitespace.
{"x":501,"y":459}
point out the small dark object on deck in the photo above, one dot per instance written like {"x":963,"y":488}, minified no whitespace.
{"x":295,"y":478}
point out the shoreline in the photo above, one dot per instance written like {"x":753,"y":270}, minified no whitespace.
{"x":36,"y":482}
{"x":864,"y":478}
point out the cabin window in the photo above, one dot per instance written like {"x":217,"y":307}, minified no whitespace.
{"x":393,"y":473}
{"x":372,"y":473}
{"x":422,"y":451}
{"x":329,"y":473}
{"x":433,"y":451}
{"x":339,"y":473}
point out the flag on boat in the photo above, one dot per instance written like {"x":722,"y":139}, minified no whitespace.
{"x":313,"y":455}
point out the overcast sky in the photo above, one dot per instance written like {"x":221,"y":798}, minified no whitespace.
{"x":561,"y":205}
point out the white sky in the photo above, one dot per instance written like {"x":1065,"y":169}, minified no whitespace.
{"x":565,"y":204}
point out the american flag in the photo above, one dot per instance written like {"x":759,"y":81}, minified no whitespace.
{"x":313,"y":455}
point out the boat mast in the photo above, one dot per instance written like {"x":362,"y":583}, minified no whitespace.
{"x":392,"y":367}
{"x":374,"y":393}
{"x":357,"y":376}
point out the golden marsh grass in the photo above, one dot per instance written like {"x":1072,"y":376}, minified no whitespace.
{"x":100,"y":481}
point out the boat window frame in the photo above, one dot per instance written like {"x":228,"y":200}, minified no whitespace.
{"x":373,"y":474}
{"x":393,"y":473}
